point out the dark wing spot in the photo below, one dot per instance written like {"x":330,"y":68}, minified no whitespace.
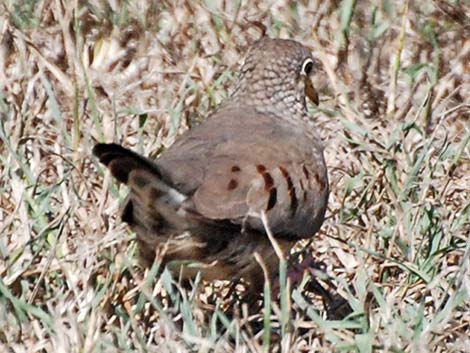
{"x":286,"y":175}
{"x":236,"y":168}
{"x":290,"y":187}
{"x":272,"y":199}
{"x":304,"y":192}
{"x":306,"y":173}
{"x":268,"y":181}
{"x":232,"y":184}
{"x":268,"y":186}
{"x":284,"y":172}
{"x":294,"y":203}
{"x":261,"y":168}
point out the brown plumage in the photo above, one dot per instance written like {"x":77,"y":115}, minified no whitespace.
{"x":259,"y":151}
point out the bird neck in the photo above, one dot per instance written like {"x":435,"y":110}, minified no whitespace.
{"x":284,"y":98}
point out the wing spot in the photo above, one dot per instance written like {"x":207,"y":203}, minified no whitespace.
{"x":268,"y":181}
{"x":268,"y":186}
{"x":272,"y":199}
{"x":284,"y":172}
{"x":232,"y":184}
{"x":290,"y":187}
{"x":261,"y":168}
{"x":286,"y":176}
{"x":306,"y":173}
{"x":294,"y":203}
{"x":235,"y":168}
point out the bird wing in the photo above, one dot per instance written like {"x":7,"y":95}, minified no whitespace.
{"x":231,"y":176}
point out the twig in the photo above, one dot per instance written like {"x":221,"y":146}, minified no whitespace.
{"x":397,"y":62}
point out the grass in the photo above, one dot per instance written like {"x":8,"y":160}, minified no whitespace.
{"x":394,"y":82}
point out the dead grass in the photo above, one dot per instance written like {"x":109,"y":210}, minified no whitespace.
{"x":394,"y":85}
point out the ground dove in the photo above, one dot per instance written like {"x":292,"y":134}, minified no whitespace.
{"x":259,"y":152}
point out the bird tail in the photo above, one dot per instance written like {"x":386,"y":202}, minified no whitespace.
{"x":153,"y":206}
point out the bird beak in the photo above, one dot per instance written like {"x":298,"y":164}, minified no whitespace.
{"x":310,"y":91}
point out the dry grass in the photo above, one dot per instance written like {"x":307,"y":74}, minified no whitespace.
{"x":394,"y":114}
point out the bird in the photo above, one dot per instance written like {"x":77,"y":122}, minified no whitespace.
{"x":201,"y":203}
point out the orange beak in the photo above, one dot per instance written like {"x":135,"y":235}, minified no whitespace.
{"x":310,"y":91}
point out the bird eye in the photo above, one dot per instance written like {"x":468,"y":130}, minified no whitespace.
{"x":307,"y":66}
